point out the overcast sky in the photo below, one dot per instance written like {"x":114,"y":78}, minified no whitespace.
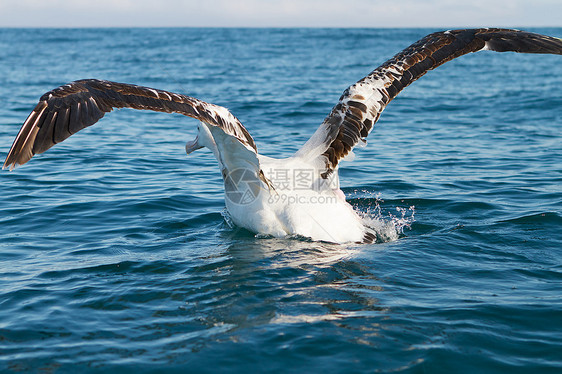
{"x":280,"y":13}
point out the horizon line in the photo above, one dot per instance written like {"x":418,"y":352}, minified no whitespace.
{"x":278,"y":27}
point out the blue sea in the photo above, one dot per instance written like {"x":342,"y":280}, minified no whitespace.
{"x":117,"y":255}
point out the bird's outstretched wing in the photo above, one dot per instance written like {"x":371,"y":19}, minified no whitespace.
{"x":360,"y":106}
{"x":77,"y":105}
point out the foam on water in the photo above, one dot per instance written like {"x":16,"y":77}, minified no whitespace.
{"x":386,"y":225}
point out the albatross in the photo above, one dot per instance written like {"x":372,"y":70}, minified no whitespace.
{"x":296,"y":196}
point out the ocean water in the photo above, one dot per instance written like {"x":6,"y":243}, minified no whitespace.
{"x":116,"y":255}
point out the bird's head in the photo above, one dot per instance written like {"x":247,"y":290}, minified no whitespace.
{"x":204,"y":138}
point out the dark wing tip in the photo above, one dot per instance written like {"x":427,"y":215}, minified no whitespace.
{"x":60,"y":113}
{"x":22,"y":148}
{"x":509,"y":40}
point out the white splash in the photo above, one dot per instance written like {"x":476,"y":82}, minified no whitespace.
{"x":386,"y":226}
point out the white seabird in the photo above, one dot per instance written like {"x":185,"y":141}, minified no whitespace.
{"x":298,"y":195}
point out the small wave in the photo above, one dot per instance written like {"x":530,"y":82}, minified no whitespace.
{"x":543,"y":217}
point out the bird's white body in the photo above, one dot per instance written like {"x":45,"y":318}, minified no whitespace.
{"x":297,"y":201}
{"x":290,"y":198}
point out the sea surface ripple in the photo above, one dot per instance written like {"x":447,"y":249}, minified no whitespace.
{"x":116,"y":255}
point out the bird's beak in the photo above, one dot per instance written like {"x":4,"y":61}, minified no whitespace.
{"x":192,"y":145}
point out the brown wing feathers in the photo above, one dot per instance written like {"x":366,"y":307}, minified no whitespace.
{"x":361,"y":104}
{"x":77,"y":105}
{"x":72,"y":107}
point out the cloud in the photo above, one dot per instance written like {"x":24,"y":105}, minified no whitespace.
{"x":284,"y":13}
